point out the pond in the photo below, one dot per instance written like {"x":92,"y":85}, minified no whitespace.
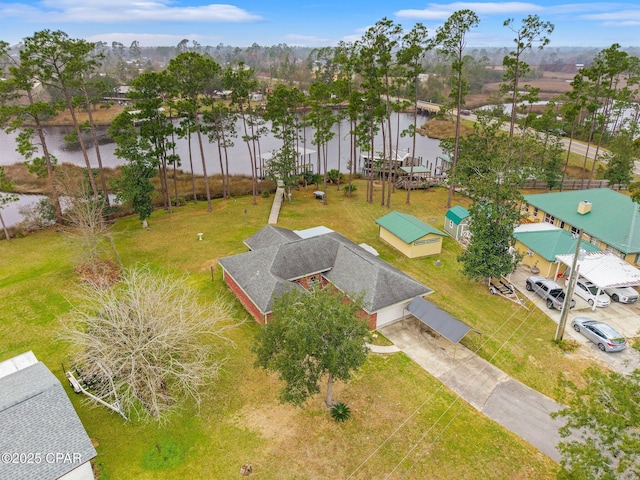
{"x":338,"y":153}
{"x":11,"y":212}
{"x":338,"y":148}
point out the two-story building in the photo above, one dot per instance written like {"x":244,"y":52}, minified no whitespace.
{"x":607,"y":219}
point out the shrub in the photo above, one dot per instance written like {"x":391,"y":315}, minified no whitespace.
{"x":265,"y":194}
{"x":334,"y":175}
{"x":567,"y":346}
{"x":39,"y":215}
{"x":340,"y":412}
{"x":310,"y":178}
{"x":351,"y":188}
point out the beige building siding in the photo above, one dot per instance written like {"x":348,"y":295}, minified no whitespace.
{"x":430,"y":244}
{"x":546,"y":268}
{"x":539,"y":217}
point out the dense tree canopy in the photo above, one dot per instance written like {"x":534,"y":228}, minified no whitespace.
{"x":605,"y":417}
{"x":312,"y":334}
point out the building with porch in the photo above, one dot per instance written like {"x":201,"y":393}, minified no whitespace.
{"x":540,"y":243}
{"x":607,"y":219}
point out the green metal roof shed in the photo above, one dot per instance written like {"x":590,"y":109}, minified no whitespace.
{"x":457,"y":214}
{"x":407,"y":227}
{"x":613,"y":219}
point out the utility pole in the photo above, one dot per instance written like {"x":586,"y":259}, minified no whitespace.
{"x":573,"y":277}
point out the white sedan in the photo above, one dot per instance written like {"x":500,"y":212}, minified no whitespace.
{"x":588,"y":291}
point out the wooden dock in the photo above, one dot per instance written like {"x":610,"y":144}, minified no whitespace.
{"x":427,"y":108}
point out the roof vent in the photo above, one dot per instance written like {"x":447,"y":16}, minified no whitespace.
{"x":584,"y":207}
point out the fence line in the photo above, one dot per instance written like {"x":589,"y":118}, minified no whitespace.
{"x":574,"y":185}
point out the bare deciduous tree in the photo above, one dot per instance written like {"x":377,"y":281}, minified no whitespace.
{"x":84,"y":218}
{"x":149,"y":341}
{"x":82,"y":215}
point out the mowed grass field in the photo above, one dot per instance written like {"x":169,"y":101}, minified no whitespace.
{"x":405,"y":424}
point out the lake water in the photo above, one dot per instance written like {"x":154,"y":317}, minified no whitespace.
{"x":11,"y":212}
{"x":338,"y":148}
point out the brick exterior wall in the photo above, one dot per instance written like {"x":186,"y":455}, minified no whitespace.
{"x":304,"y":282}
{"x":371,"y":320}
{"x":244,"y":299}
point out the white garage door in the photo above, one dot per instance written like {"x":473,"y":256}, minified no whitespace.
{"x":391,"y":314}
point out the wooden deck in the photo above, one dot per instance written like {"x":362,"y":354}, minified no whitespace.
{"x":426,"y":182}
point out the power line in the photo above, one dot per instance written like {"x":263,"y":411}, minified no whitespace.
{"x":460,"y":396}
{"x":402,"y":424}
{"x":456,"y":400}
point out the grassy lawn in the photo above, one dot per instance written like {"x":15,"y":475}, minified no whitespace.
{"x":405,"y":424}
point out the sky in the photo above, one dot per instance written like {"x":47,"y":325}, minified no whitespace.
{"x":312,"y":23}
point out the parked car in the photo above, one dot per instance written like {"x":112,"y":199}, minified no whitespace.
{"x":588,"y":291}
{"x":602,"y":334}
{"x":558,"y":132}
{"x":622,"y":294}
{"x":548,"y":290}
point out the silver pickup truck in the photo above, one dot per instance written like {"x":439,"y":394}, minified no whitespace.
{"x":548,"y":290}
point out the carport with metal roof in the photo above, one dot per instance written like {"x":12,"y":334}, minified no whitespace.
{"x":449,"y":327}
{"x":604,"y":270}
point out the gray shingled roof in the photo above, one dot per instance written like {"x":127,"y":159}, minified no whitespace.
{"x":270,"y":236}
{"x":265,"y":273}
{"x":36,"y":416}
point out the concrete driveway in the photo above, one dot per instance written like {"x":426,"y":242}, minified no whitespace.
{"x":512,"y":404}
{"x":515,"y":406}
{"x":624,"y":318}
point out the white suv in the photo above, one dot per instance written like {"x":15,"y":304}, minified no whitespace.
{"x":622,"y":294}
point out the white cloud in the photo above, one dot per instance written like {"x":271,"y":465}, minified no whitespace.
{"x":351,"y":38}
{"x":437,"y":11}
{"x":306,"y":40}
{"x":617,"y":16}
{"x":121,"y":11}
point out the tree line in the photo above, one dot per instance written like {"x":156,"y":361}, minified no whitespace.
{"x":371,"y":78}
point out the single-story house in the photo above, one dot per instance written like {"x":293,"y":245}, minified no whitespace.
{"x":410,"y":235}
{"x":120,"y":95}
{"x":607,"y":219}
{"x":539,"y":243}
{"x":456,"y":222}
{"x":41,"y":435}
{"x":282,"y":259}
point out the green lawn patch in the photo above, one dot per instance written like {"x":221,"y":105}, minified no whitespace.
{"x":402,"y":419}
